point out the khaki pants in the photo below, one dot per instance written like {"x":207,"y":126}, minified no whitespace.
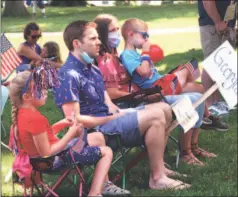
{"x":211,"y":39}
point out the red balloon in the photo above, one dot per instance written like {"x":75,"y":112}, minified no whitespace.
{"x":156,"y":53}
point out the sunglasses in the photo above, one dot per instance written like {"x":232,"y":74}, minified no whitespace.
{"x":35,"y":36}
{"x":145,"y":35}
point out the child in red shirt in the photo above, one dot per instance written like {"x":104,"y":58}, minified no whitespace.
{"x":28,"y":91}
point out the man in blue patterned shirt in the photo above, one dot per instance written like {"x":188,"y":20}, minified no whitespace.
{"x":82,"y":94}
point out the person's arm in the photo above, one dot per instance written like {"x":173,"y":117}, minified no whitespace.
{"x":29,"y":53}
{"x":211,"y":9}
{"x":111,"y":106}
{"x":43,"y":146}
{"x":115,"y":93}
{"x":58,"y":126}
{"x":72,"y":109}
{"x":144,"y":70}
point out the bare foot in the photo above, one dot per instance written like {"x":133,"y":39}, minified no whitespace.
{"x":167,"y":183}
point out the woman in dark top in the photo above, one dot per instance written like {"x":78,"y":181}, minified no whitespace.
{"x":29,"y":50}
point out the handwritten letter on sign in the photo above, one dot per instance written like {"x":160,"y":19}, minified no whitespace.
{"x":221,"y":65}
{"x":185,"y":113}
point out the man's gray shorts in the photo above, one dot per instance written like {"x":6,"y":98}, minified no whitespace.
{"x":126,"y":127}
{"x":211,"y":39}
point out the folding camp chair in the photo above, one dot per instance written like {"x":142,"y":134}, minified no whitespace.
{"x":53,"y":165}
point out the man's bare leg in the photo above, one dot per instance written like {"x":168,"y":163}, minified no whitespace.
{"x":152,"y":125}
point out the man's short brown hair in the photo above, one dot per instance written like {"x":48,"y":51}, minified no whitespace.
{"x":131,"y":25}
{"x":75,"y":30}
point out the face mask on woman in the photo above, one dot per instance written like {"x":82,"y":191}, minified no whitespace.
{"x":114,"y":39}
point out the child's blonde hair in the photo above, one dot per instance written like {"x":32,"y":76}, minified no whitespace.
{"x":132,"y":24}
{"x":16,"y":86}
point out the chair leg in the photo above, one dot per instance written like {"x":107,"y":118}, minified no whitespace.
{"x":24,"y":187}
{"x":49,"y":189}
{"x":177,"y":158}
{"x":123,"y":170}
{"x":177,"y":151}
{"x":32,"y":190}
{"x":4,"y":130}
{"x":13,"y":188}
{"x":5,"y":146}
{"x":140,"y":156}
{"x":57,"y":183}
{"x":82,"y":181}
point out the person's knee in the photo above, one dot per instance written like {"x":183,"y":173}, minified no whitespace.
{"x":157,"y":117}
{"x":106,"y":151}
{"x":201,"y":89}
{"x":100,"y":137}
{"x":167,"y":111}
{"x":96,"y":139}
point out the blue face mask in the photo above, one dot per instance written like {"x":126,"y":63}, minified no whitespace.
{"x":114,"y":39}
{"x":87,"y":58}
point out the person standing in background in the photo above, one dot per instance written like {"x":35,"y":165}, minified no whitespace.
{"x":214,"y":27}
{"x":36,"y":3}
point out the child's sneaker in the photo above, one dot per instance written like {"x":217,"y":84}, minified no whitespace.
{"x":109,"y":189}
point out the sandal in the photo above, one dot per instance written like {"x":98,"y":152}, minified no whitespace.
{"x":200,"y":152}
{"x":176,"y":185}
{"x":190,"y":159}
{"x":109,"y":189}
{"x":175,"y":174}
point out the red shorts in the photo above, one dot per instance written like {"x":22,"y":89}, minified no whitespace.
{"x":170,"y":84}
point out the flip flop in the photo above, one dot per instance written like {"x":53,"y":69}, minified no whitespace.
{"x":174,"y":174}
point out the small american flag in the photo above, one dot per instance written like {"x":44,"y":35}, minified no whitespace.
{"x":192,"y":66}
{"x":9,"y":57}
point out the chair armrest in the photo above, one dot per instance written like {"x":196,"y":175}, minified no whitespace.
{"x":139,"y":96}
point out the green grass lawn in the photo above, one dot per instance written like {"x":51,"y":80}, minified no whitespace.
{"x":219,"y":176}
{"x":165,"y":16}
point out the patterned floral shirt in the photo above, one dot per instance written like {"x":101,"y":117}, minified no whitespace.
{"x":83,"y":84}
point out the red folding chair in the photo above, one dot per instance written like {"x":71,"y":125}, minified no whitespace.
{"x":28,"y":171}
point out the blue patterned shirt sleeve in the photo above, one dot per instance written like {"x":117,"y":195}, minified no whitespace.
{"x":68,"y":89}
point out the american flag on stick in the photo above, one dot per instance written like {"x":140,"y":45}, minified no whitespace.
{"x":192,"y":66}
{"x":9,"y":57}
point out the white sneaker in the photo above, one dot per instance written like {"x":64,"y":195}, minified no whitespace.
{"x":109,"y":189}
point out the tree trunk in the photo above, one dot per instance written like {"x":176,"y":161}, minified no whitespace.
{"x":15,"y":8}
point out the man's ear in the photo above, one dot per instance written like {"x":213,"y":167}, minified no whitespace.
{"x":76,"y":43}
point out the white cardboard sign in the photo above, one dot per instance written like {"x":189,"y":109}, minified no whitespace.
{"x":185,"y":113}
{"x":221,"y":66}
